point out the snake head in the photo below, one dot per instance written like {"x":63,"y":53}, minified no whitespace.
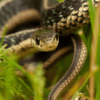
{"x":45,"y":39}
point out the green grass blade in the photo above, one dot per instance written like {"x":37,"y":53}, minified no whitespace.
{"x":3,"y":36}
{"x":26,"y":85}
{"x":92,"y":13}
{"x":85,"y":41}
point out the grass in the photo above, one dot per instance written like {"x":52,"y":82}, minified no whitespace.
{"x":12,"y":86}
{"x":33,"y":85}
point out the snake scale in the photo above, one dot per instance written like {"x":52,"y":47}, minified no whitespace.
{"x":64,"y":18}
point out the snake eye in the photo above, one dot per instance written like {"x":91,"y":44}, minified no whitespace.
{"x":37,"y":40}
{"x":57,"y":37}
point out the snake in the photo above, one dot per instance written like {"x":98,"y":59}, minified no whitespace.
{"x":48,"y":59}
{"x":59,"y":20}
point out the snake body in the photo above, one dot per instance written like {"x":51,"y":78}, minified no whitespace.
{"x":64,"y":18}
{"x":15,"y":13}
{"x":80,"y":52}
{"x":68,"y":16}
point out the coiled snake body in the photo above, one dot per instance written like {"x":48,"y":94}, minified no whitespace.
{"x":64,"y":18}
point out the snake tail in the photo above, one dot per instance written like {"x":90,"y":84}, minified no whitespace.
{"x":80,"y":53}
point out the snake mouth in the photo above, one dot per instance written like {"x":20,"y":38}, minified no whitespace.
{"x":46,"y":47}
{"x":51,"y":47}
